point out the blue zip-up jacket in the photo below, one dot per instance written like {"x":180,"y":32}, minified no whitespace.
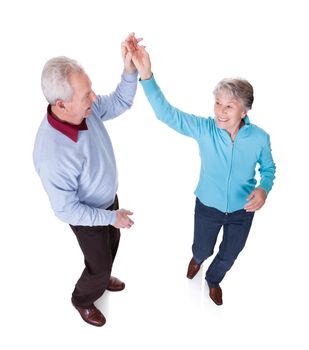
{"x":227,"y":174}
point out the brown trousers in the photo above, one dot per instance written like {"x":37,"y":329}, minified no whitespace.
{"x":99,"y":245}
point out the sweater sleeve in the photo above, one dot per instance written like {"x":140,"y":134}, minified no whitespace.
{"x":61,"y":185}
{"x":112,"y":105}
{"x":267,"y":167}
{"x":186,"y":124}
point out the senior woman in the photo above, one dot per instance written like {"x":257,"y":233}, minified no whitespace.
{"x":230,"y":147}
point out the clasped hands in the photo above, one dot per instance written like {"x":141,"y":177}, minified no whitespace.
{"x":136,"y":57}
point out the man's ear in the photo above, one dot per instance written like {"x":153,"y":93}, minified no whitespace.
{"x":60,"y":104}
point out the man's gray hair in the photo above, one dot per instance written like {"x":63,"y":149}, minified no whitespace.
{"x":54,"y":80}
{"x":239,"y":89}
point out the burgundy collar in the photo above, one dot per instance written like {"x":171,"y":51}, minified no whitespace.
{"x":69,"y":130}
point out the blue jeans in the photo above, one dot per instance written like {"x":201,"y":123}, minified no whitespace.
{"x":207,"y":224}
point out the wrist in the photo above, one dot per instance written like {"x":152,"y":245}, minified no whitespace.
{"x":113,"y":217}
{"x":262,"y":189}
{"x":146,"y":75}
{"x":128,"y":70}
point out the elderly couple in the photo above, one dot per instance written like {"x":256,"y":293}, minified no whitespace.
{"x":74,"y":158}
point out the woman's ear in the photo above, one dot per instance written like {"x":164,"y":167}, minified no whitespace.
{"x":244,"y":113}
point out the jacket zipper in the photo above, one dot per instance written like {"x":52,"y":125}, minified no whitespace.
{"x":229,"y":179}
{"x":231,"y":166}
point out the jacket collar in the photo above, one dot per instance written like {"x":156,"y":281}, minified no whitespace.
{"x":246,"y":120}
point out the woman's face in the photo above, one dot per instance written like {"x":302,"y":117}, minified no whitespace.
{"x":228,"y":112}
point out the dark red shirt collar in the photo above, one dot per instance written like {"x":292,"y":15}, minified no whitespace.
{"x":65,"y":128}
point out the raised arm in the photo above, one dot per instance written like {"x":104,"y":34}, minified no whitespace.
{"x":112,"y":105}
{"x":184,"y":123}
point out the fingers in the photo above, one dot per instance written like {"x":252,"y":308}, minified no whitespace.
{"x":125,"y":211}
{"x":128,"y":57}
{"x":251,"y":209}
{"x":254,"y":205}
{"x":127,"y":222}
{"x":256,"y":200}
{"x":132,"y":42}
{"x":251,"y":196}
{"x":123,"y":45}
{"x":123,"y":220}
{"x":130,"y":223}
{"x":250,"y":205}
{"x":129,"y":44}
{"x":130,"y":37}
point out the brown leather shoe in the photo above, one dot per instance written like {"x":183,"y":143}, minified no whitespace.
{"x":115,"y":285}
{"x":216,"y":295}
{"x":91,"y":315}
{"x":193,"y":269}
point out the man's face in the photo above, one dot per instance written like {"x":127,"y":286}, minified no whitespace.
{"x":228,"y":112}
{"x":83,"y":97}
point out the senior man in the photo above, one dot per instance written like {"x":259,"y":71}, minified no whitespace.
{"x":74,"y":158}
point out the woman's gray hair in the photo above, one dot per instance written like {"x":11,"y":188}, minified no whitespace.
{"x":240,"y":89}
{"x":54,"y":80}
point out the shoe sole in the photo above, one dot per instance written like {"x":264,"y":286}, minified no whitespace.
{"x":192,"y":276}
{"x":92,"y":324}
{"x":116,"y":290}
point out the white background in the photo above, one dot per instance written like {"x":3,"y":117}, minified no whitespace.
{"x":193,"y":44}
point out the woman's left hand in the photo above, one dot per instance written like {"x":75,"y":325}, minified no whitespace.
{"x":256,"y":200}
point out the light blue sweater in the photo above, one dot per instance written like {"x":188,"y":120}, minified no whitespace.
{"x":227,"y":174}
{"x":80,"y":177}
